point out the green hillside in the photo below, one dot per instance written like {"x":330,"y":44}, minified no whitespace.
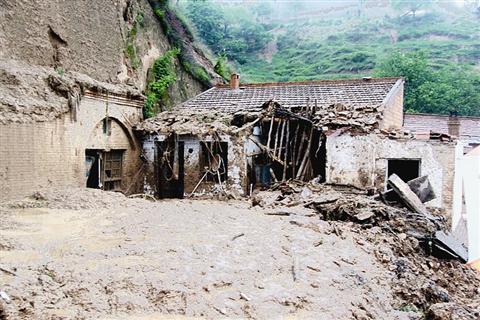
{"x":291,"y":41}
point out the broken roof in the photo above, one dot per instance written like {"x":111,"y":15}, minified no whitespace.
{"x":250,"y":97}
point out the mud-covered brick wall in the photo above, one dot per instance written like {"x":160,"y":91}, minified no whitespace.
{"x":193,"y":172}
{"x":362,"y":161}
{"x":52,"y":153}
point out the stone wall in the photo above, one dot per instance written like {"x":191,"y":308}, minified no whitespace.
{"x":361,"y":161}
{"x":39,"y":154}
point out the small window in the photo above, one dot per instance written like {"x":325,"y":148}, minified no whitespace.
{"x":213,"y":160}
{"x":107,"y":126}
{"x":112,"y":170}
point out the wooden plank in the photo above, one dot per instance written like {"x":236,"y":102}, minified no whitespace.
{"x":407,"y":195}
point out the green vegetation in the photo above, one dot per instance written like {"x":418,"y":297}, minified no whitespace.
{"x":162,"y":77}
{"x":176,"y":30}
{"x":221,"y":67}
{"x":60,"y":71}
{"x":130,"y":48}
{"x":228,"y":33}
{"x":452,"y":89}
{"x":303,"y":40}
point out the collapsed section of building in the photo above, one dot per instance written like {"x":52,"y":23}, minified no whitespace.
{"x":243,"y":137}
{"x":71,"y":130}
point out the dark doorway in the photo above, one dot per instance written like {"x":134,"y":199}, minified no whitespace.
{"x":93,"y":168}
{"x":170,"y":172}
{"x":406,"y":169}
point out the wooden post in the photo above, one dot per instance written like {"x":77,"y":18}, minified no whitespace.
{"x":287,"y":147}
{"x":270,"y":132}
{"x":277,"y":136}
{"x":294,"y":150}
{"x":306,"y":156}
{"x":284,"y":124}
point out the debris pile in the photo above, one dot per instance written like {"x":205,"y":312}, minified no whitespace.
{"x":344,"y":204}
{"x":72,"y":198}
{"x":428,"y":267}
{"x":34,"y":93}
{"x":337,"y":115}
{"x":186,"y":122}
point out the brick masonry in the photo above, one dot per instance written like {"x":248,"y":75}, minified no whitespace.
{"x":40,"y":154}
{"x":419,"y":122}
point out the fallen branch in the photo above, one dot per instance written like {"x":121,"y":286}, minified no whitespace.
{"x":142,"y":195}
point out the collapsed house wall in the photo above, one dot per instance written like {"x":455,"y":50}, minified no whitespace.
{"x":362,"y":161}
{"x":192,"y":166}
{"x":38,"y":154}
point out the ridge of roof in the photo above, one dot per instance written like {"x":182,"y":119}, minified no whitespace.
{"x":314,"y":82}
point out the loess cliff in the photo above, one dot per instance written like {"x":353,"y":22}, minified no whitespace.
{"x":105,"y":44}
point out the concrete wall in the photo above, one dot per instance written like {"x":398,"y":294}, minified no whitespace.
{"x":40,"y":154}
{"x":393,"y":113}
{"x":361,"y":161}
{"x":235,"y":167}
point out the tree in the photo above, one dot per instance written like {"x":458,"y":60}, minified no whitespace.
{"x":450,"y":89}
{"x":413,"y":67}
{"x":263,"y":10}
{"x":209,"y":22}
{"x":237,"y":36}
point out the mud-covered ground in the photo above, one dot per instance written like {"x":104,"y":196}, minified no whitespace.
{"x":88,"y":254}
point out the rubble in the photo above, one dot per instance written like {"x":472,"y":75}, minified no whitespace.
{"x":406,"y":194}
{"x":187,"y":122}
{"x":404,"y":243}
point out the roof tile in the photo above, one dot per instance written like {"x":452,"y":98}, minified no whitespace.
{"x":250,"y":97}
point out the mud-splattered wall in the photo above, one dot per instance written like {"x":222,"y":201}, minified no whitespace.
{"x":39,"y":154}
{"x":192,"y":166}
{"x":362,"y":161}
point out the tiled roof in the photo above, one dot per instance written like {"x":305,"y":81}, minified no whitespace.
{"x":421,"y":122}
{"x":250,"y":97}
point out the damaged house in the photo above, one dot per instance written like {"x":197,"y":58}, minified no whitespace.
{"x":77,"y":133}
{"x":241,"y":137}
